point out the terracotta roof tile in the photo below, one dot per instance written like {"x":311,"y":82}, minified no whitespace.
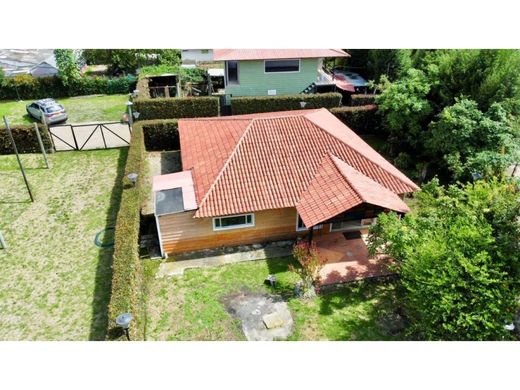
{"x":266,"y":161}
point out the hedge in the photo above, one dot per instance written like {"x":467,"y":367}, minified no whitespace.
{"x":142,"y":87}
{"x":28,"y":87}
{"x":169,"y":108}
{"x":253,"y":104}
{"x":362,"y":99}
{"x":25,"y":138}
{"x":161,"y":134}
{"x":361,"y":119}
{"x":127,"y":270}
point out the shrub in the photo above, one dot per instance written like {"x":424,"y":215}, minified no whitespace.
{"x":127,"y":271}
{"x":160,"y":134}
{"x":169,"y":108}
{"x":363,"y":99}
{"x":361,"y":119}
{"x":25,"y":138}
{"x":254,"y":104}
{"x":28,"y":87}
{"x":310,"y":265}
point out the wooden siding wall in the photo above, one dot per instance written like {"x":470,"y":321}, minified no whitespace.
{"x":183,"y":233}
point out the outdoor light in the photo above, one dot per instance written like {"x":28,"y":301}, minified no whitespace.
{"x":132,"y":177}
{"x":130,"y":115}
{"x":123,"y":320}
{"x":509,"y":327}
{"x":136,"y":114}
{"x":303,"y":104}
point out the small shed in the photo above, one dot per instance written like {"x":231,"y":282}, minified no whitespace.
{"x":173,"y":193}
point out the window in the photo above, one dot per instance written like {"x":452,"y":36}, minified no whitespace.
{"x":232,"y":72}
{"x":356,"y":224}
{"x":282,"y":66}
{"x":300,"y":227}
{"x":234,"y":222}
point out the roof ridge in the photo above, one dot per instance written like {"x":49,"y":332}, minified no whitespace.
{"x":226,"y":164}
{"x":354,"y":149}
{"x":333,"y":158}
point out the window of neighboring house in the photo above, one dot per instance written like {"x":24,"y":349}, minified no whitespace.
{"x":232,"y":72}
{"x":300,"y":227}
{"x":282,"y":66}
{"x":234,"y":222}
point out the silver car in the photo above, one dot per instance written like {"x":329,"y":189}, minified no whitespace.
{"x":52,"y":111}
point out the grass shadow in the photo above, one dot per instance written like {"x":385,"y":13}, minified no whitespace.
{"x":103,"y":279}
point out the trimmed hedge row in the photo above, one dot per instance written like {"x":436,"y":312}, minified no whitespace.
{"x":361,"y":119}
{"x":28,"y":87}
{"x":127,"y":269}
{"x":25,"y":138}
{"x":254,"y":104}
{"x":161,"y":134}
{"x":168,"y":108}
{"x":362,"y":99}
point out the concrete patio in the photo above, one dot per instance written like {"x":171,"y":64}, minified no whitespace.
{"x":348,"y":259}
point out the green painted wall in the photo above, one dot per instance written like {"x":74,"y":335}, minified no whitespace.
{"x":254,"y":82}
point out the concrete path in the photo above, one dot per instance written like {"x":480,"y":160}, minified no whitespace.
{"x":177,"y":268}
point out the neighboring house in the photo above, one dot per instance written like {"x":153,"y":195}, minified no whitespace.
{"x":35,"y":62}
{"x":273,"y":176}
{"x":194,"y":56}
{"x":270,"y":72}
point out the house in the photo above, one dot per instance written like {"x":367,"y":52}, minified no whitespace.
{"x":272,"y":176}
{"x":195,"y":56}
{"x":270,"y":72}
{"x":35,"y":62}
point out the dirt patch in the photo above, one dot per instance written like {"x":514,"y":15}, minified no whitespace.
{"x":256,"y":311}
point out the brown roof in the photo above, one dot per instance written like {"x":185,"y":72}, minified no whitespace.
{"x":267,"y":161}
{"x":337,"y":187}
{"x":268,"y":54}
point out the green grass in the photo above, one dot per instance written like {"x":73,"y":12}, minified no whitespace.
{"x":79,"y":109}
{"x":190,"y":307}
{"x":54,"y":282}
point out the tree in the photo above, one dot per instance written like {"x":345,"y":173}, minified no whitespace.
{"x":458,"y":259}
{"x":374,"y":63}
{"x":471,"y":141}
{"x":2,"y":76}
{"x":310,"y":265}
{"x":67,"y":65}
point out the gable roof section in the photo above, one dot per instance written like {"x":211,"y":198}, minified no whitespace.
{"x":271,"y":54}
{"x":337,"y":187}
{"x":260,"y":162}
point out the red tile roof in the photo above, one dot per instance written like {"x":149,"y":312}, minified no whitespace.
{"x":337,"y":187}
{"x":267,"y":161}
{"x":268,"y":54}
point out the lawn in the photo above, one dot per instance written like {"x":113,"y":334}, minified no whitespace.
{"x":79,"y":109}
{"x":54,"y":282}
{"x":191,"y":308}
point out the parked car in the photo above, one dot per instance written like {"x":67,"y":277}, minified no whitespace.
{"x":53,"y":112}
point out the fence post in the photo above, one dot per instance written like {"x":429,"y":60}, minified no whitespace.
{"x":8,"y":129}
{"x":41,"y":145}
{"x":74,"y":137}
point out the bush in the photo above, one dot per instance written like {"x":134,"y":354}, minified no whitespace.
{"x":361,"y":119}
{"x":25,"y":138}
{"x":28,"y":87}
{"x":170,"y":108}
{"x":127,"y":271}
{"x":363,"y":99}
{"x":255,"y":104}
{"x":160,"y":134}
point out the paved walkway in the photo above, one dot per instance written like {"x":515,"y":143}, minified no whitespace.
{"x":257,"y":252}
{"x":348,"y":259}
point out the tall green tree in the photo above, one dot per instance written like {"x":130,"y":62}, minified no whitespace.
{"x":68,"y":69}
{"x":458,"y":260}
{"x":470,"y":141}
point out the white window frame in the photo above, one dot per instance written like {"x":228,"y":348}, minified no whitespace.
{"x":238,"y":74}
{"x":245,"y":225}
{"x":286,"y":59}
{"x":304,"y":229}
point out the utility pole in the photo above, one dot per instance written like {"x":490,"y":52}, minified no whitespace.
{"x":8,"y":129}
{"x":41,"y":145}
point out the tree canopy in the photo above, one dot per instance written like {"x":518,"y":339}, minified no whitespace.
{"x":458,"y":259}
{"x":68,"y":69}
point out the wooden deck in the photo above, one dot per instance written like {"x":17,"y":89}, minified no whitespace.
{"x":348,"y":259}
